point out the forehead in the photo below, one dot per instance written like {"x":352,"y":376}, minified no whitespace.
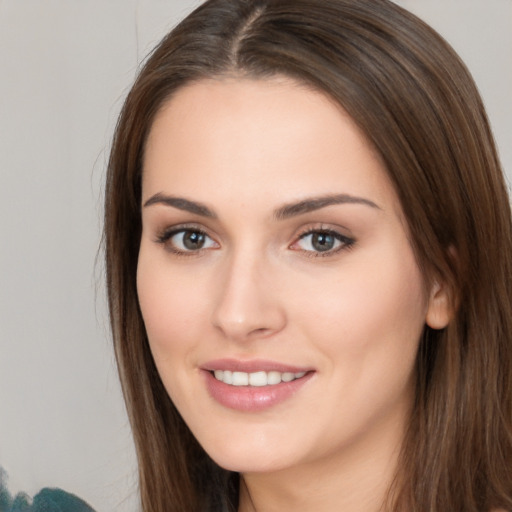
{"x":272,"y":136}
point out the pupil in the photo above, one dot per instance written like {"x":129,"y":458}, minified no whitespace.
{"x":323,"y":241}
{"x":193,"y":240}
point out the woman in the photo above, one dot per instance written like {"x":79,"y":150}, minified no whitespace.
{"x":308,"y":249}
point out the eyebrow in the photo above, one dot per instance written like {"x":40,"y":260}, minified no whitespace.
{"x":316,"y":203}
{"x":282,"y":213}
{"x":181,"y":204}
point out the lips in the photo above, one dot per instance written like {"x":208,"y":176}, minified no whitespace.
{"x":254,"y":365}
{"x":252,"y":386}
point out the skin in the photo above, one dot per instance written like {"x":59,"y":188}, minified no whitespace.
{"x":258,"y":289}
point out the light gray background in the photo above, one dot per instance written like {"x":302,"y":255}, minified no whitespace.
{"x":65,"y":66}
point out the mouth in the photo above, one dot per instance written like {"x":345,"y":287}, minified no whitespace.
{"x":256,"y":385}
{"x":255,"y":379}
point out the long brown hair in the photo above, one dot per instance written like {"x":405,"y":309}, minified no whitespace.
{"x":416,"y":102}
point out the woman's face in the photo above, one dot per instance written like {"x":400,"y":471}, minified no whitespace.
{"x":281,"y":297}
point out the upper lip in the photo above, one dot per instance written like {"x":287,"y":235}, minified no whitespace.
{"x":253,"y":365}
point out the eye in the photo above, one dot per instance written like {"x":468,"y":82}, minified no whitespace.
{"x":322,"y":242}
{"x":186,"y":240}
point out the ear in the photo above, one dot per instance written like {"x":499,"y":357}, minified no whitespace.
{"x":440,"y":307}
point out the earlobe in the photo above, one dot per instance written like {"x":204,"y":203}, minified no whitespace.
{"x":440,"y":307}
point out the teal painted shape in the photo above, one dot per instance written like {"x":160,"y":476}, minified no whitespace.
{"x":21,"y":503}
{"x":46,"y":500}
{"x":57,"y":500}
{"x":5,"y":500}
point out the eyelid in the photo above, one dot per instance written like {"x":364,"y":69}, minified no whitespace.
{"x":346,"y":241}
{"x":165,"y":235}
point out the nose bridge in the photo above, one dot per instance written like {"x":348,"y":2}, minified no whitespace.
{"x":247,"y":303}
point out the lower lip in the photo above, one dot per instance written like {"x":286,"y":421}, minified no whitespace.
{"x":252,"y":398}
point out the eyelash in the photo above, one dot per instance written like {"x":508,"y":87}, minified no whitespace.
{"x":346,"y":242}
{"x":165,"y":237}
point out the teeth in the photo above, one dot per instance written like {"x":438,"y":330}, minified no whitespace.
{"x":256,"y":379}
{"x":240,"y":379}
{"x":273,"y":378}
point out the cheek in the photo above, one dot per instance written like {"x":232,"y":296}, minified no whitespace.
{"x":372,"y":305}
{"x":367,"y":324}
{"x":170,"y":306}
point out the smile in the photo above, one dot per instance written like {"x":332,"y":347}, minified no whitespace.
{"x":254,"y":386}
{"x":256,"y":379}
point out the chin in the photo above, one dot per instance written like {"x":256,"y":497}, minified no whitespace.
{"x":246,"y":464}
{"x":247,"y":457}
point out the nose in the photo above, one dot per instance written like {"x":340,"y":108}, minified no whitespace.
{"x":248,"y":305}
